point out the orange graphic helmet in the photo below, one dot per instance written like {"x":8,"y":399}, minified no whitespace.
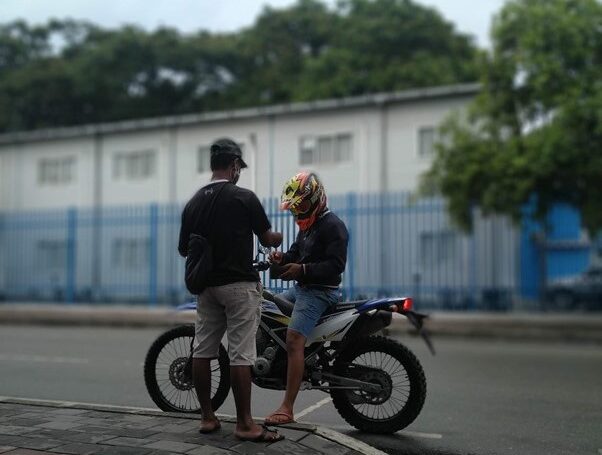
{"x":305,"y":197}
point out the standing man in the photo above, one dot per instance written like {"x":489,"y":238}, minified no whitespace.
{"x":315,"y":261}
{"x":228,"y":216}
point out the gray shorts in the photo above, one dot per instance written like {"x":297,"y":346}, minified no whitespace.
{"x":234,"y":308}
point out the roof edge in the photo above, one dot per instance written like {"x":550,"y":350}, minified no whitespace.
{"x":69,"y":132}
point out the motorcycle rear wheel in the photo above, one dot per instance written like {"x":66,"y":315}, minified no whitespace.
{"x":400,"y":375}
{"x":168,"y":375}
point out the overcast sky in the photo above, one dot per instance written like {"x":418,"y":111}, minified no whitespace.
{"x":470,"y":16}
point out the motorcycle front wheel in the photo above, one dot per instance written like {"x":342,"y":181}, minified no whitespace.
{"x":396,"y":369}
{"x":168,"y":373}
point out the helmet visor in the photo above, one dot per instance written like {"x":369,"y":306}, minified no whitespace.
{"x":301,"y":208}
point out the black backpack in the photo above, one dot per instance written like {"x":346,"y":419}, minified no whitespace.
{"x":199,"y":261}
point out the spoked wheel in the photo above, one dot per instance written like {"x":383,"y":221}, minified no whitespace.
{"x":396,"y":370}
{"x":168,"y":373}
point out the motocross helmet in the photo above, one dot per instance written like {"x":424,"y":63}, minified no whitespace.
{"x":305,"y":197}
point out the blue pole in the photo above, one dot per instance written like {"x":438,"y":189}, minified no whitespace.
{"x":152,"y":270}
{"x":71,"y":257}
{"x":351,"y":210}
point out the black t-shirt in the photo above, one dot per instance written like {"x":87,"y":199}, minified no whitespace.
{"x":237,"y":214}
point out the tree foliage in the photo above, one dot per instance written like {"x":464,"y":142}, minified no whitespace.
{"x":535,"y":131}
{"x":70,"y":72}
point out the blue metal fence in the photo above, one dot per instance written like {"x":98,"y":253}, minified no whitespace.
{"x":398,"y":245}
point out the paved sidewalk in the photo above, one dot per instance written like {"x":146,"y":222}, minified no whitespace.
{"x":29,"y":427}
{"x":576,"y":327}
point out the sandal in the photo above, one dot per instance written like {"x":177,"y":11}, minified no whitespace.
{"x":264,"y":436}
{"x":273,"y":419}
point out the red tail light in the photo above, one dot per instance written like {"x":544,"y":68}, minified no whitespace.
{"x":408,"y":304}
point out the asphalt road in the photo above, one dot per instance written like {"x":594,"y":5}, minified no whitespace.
{"x":484,"y":397}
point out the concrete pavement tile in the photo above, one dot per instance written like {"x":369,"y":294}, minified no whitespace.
{"x":183,"y":427}
{"x":77,"y":449}
{"x":137,"y":418}
{"x":117,"y":431}
{"x":29,"y":452}
{"x":293,"y":448}
{"x":208,"y":450}
{"x":254,"y":448}
{"x":322,"y":445}
{"x":68,"y":412}
{"x":176,"y":437}
{"x":28,"y":422}
{"x":86,"y":438}
{"x":128,"y":442}
{"x":29,"y":415}
{"x":59,"y":425}
{"x":38,"y":443}
{"x":115,"y":450}
{"x":15,"y":430}
{"x":172,"y":446}
{"x":8,"y":440}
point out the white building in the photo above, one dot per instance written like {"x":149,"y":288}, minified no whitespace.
{"x":369,"y":143}
{"x":373,"y":144}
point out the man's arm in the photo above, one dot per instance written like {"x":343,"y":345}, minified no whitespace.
{"x":270,"y":238}
{"x":184,"y":235}
{"x":261,"y":225}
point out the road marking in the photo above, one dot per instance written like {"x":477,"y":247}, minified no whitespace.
{"x":40,"y":358}
{"x":312,"y":408}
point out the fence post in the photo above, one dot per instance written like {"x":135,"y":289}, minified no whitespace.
{"x":352,"y":214}
{"x":71,"y":254}
{"x":152,"y":266}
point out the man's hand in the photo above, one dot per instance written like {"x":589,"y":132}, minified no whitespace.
{"x":291,"y":271}
{"x":276,"y":257}
{"x":271,"y":238}
{"x":277,"y":239}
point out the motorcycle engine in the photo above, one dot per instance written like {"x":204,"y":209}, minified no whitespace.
{"x":263,"y":364}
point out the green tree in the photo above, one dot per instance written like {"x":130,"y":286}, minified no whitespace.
{"x":383,"y":45}
{"x":534,"y":133}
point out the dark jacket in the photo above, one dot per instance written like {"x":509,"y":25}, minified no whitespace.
{"x":323,"y":251}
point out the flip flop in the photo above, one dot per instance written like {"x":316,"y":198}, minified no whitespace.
{"x":288,"y":418}
{"x":263,"y":437}
{"x":217,"y":427}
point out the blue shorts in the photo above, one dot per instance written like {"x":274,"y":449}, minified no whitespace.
{"x":310,"y":305}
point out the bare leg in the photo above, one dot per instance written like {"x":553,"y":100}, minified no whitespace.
{"x":201,"y":375}
{"x":240,"y":377}
{"x":295,"y":346}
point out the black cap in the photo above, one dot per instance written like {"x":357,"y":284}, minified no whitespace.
{"x":227,"y":146}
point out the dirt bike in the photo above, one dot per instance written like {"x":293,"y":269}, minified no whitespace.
{"x":377,"y":384}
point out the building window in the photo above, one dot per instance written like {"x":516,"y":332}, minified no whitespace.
{"x":427,"y":138}
{"x":56,"y":171}
{"x":204,"y":159}
{"x":52,"y":254}
{"x":437,"y":248}
{"x":130,"y":253}
{"x":325,"y":149}
{"x":134,"y":165}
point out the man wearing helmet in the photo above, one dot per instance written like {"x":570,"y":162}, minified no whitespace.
{"x":315,"y":261}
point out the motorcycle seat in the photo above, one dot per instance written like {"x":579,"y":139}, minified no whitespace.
{"x":284,"y":305}
{"x":344,"y":306}
{"x":287,"y":307}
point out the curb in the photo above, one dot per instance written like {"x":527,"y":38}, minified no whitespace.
{"x":568,"y":327}
{"x":334,"y":436}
